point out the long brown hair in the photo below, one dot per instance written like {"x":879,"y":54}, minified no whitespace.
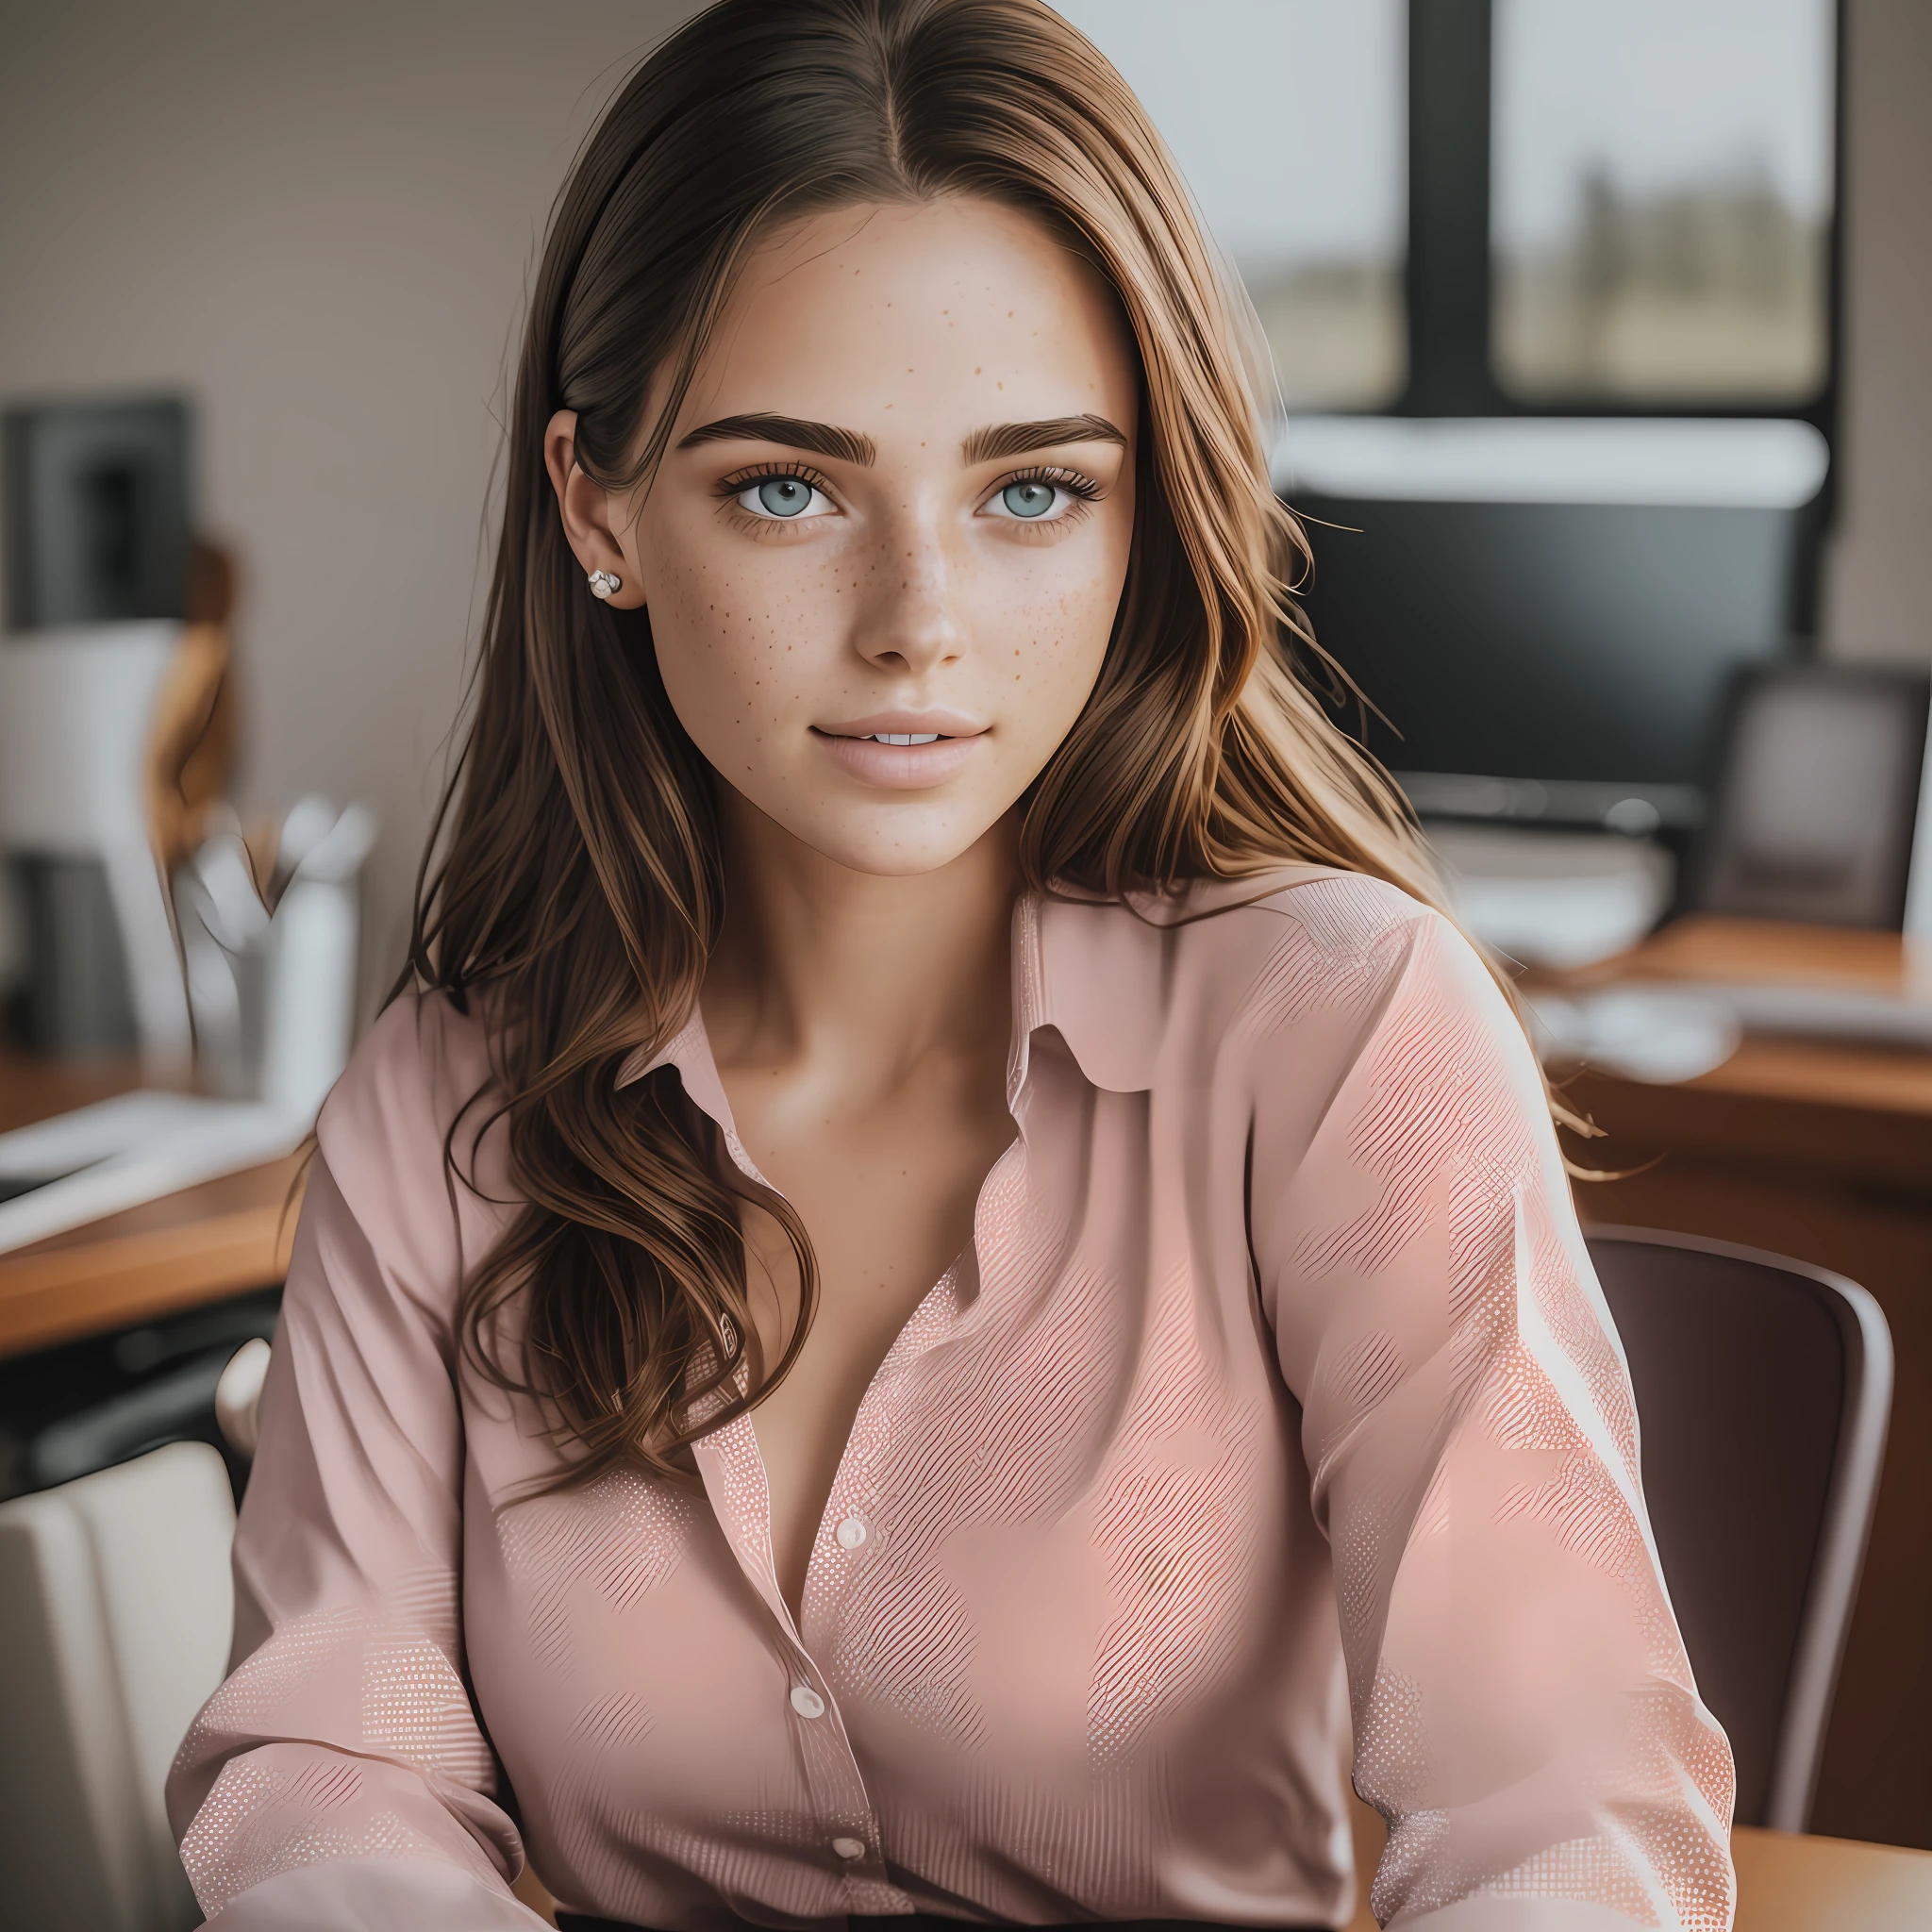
{"x":578,"y":887}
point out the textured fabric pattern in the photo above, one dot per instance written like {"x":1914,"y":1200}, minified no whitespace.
{"x":1272,"y":1424}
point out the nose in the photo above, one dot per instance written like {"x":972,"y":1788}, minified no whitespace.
{"x":911,"y":620}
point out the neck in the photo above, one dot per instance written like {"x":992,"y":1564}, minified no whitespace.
{"x":861,"y":975}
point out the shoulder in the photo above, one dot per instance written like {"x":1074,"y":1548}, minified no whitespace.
{"x":1380,"y":1010}
{"x":415,"y":1070}
{"x":1343,"y":1000}
{"x":1166,"y":982}
{"x":1345,"y":916}
{"x":1321,"y":925}
{"x":1341,"y":951}
{"x":416,"y":1090}
{"x":1361,"y":956}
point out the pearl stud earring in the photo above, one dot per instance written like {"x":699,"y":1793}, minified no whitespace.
{"x":604,"y":584}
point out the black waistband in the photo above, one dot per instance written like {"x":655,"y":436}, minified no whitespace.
{"x":933,"y":1922}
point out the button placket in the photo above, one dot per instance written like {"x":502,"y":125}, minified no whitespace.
{"x":847,"y":1533}
{"x":734,"y":1478}
{"x":839,"y":1797}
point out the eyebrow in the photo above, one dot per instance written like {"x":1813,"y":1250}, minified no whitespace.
{"x":820,"y":439}
{"x":1016,"y":439}
{"x":987,"y":446}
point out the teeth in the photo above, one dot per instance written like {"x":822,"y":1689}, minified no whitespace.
{"x":903,"y":736}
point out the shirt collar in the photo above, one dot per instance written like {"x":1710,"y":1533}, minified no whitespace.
{"x":1098,"y":971}
{"x":689,"y":1048}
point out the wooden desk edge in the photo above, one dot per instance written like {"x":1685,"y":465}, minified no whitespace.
{"x":1865,"y":1077}
{"x":1792,"y":1882}
{"x":59,"y":1294}
{"x":1788,"y":1881}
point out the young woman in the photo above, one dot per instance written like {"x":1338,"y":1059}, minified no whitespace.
{"x":946,"y":1293}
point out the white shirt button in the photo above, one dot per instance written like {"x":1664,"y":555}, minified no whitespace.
{"x":807,"y":1702}
{"x":853,"y":1532}
{"x":849,"y":1847}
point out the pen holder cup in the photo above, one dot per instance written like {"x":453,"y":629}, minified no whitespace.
{"x":271,"y":964}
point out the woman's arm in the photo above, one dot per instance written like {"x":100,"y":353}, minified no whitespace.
{"x":1525,"y":1715}
{"x":340,"y":1775}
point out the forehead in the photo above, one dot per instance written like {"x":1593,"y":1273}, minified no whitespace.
{"x":911,"y":322}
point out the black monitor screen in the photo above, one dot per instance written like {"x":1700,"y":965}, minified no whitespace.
{"x":96,"y":512}
{"x":1579,"y":652}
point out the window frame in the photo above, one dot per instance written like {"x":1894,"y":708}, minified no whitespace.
{"x":1447,"y":282}
{"x":1447,"y":286}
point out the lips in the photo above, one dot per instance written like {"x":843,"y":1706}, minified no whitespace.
{"x":903,"y":751}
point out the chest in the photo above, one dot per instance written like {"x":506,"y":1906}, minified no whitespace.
{"x":1070,"y":1579}
{"x":1060,"y":1545}
{"x":886,"y":1196}
{"x":1060,"y":1537}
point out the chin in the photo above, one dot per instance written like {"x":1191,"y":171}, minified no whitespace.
{"x":893,"y":851}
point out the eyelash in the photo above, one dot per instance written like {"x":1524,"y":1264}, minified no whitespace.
{"x":1080,"y":487}
{"x":740,"y":480}
{"x":1071,"y":481}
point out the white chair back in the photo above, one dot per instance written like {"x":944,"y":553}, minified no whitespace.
{"x":116,"y":1608}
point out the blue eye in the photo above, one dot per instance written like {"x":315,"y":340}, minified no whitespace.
{"x":785,"y":496}
{"x":780,"y":496}
{"x":1028,"y":500}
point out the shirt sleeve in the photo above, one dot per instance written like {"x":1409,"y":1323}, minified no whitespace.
{"x":339,"y":1776}
{"x":1525,"y":1715}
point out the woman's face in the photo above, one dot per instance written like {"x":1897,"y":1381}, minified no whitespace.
{"x":884,"y":550}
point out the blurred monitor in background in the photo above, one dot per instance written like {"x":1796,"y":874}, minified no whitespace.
{"x":1582,"y":256}
{"x":1661,"y":199}
{"x":96,"y":561}
{"x":96,"y":512}
{"x":1547,"y":613}
{"x":1290,"y":120}
{"x":1821,"y":786}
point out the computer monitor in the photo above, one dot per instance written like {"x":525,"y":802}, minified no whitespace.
{"x":1548,"y":614}
{"x":97,"y":515}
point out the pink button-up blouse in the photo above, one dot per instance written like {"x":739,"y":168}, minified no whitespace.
{"x":1272,"y":1426}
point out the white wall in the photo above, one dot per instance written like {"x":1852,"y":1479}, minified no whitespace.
{"x":318,"y":220}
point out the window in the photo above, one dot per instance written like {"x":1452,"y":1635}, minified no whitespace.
{"x":1661,"y":200}
{"x":1289,"y":119}
{"x":1479,"y":207}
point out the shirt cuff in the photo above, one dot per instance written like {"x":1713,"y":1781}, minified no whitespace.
{"x":374,"y":1895}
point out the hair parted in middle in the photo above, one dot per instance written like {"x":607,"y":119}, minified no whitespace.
{"x":576,"y":885}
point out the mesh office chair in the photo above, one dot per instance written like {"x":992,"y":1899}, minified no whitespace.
{"x":1763,"y":1390}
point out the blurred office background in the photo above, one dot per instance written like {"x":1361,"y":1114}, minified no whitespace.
{"x":316,"y":225}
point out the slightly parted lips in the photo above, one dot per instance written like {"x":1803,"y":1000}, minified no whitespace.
{"x":903,"y":751}
{"x":906,"y":727}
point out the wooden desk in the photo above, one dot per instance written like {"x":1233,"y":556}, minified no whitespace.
{"x":1786,"y":1883}
{"x":1823,"y":1151}
{"x":221,"y":1237}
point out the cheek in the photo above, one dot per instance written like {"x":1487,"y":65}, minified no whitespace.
{"x":731,"y":639}
{"x":1058,"y":628}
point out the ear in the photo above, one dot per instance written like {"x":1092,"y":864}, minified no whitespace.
{"x":588,"y":510}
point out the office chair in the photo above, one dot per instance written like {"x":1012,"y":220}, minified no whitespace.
{"x":1763,"y":1390}
{"x":115,"y":1606}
